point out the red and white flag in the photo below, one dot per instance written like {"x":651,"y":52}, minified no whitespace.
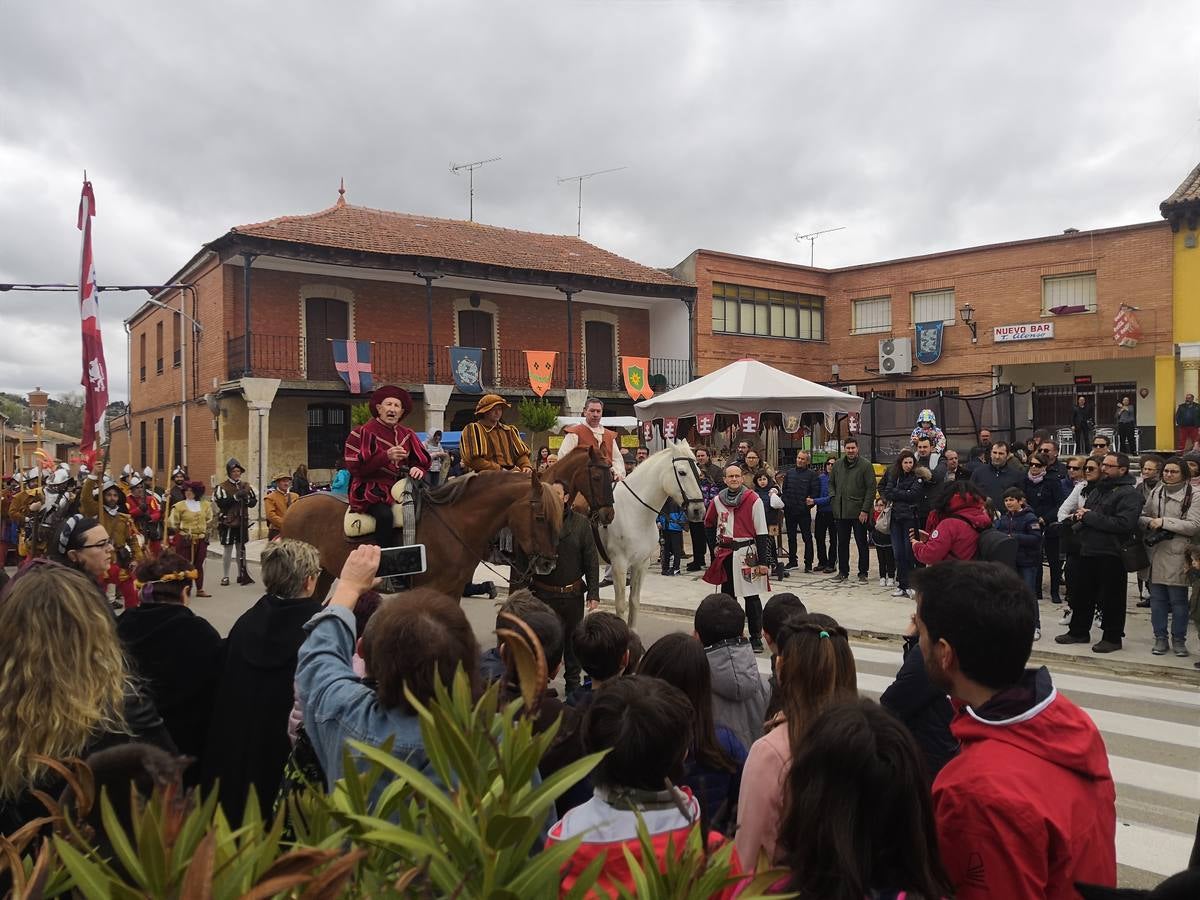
{"x":670,"y":425}
{"x":704,"y":423}
{"x":749,"y":422}
{"x":95,"y":373}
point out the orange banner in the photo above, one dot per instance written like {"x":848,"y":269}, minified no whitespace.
{"x":636,"y":372}
{"x":541,"y":369}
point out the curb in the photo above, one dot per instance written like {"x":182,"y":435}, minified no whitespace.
{"x":1099,"y":666}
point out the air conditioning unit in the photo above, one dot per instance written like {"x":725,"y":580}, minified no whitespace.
{"x":895,"y":356}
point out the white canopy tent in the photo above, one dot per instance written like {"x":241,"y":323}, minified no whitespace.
{"x":750,"y":386}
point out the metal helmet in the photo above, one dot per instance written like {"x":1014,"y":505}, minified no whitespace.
{"x":32,"y":474}
{"x":147,"y":472}
{"x":127,"y":471}
{"x":233,"y":464}
{"x":59,"y":478}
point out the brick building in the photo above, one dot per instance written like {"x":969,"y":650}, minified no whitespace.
{"x":1042,"y":310}
{"x":257,"y":369}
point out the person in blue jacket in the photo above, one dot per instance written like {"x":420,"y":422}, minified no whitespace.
{"x":824,"y":529}
{"x":1022,"y":523}
{"x":671,"y":522}
{"x":1044,"y":494}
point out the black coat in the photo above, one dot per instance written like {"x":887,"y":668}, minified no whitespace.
{"x":179,"y":657}
{"x":247,"y":737}
{"x":1113,"y":507}
{"x":923,"y":708}
{"x":1045,"y":498}
{"x":798,"y":485}
{"x":907,"y":495}
{"x":994,"y":482}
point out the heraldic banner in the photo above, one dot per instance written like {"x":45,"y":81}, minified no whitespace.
{"x":541,"y":369}
{"x":636,"y":372}
{"x":352,"y":359}
{"x":929,"y":342}
{"x":95,"y":371}
{"x":1127,"y":331}
{"x":466,"y":363}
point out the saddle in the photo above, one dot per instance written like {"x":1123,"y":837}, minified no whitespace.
{"x":358,"y":525}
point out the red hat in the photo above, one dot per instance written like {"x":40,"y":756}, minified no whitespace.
{"x":389,"y":390}
{"x":197,"y":488}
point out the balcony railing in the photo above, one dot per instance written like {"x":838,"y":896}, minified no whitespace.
{"x":279,"y":356}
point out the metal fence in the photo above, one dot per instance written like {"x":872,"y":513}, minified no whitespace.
{"x":886,"y":423}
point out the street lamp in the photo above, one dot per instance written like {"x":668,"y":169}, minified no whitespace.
{"x":968,"y":316}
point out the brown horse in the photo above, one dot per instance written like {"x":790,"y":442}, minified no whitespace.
{"x":589,"y":483}
{"x":458,"y":522}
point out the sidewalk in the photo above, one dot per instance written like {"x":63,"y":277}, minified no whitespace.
{"x":868,"y":611}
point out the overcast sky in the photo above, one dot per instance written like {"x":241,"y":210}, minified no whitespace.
{"x":917,"y":126}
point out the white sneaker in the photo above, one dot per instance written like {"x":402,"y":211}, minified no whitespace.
{"x":889,"y":582}
{"x":899,"y":592}
{"x":1037,"y":634}
{"x":1066,"y":616}
{"x":883,"y":582}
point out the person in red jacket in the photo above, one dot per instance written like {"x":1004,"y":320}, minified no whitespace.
{"x":1028,"y":806}
{"x":952,"y":529}
{"x":379,"y":453}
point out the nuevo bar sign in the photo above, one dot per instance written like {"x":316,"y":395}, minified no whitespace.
{"x":1034,"y":331}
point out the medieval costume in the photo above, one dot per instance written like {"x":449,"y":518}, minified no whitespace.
{"x":276,"y":503}
{"x":146,"y":511}
{"x":190,"y":522}
{"x":179,"y":478}
{"x":107,"y":505}
{"x":234,"y":499}
{"x":23,"y":509}
{"x":742,"y":544}
{"x":604,"y":440}
{"x":489,"y":445}
{"x":373,"y":472}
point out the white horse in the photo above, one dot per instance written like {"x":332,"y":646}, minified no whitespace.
{"x":630,"y":540}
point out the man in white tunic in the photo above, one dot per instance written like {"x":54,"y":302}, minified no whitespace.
{"x":745,"y":552}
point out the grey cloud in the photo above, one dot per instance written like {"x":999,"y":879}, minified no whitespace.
{"x":919,"y":126}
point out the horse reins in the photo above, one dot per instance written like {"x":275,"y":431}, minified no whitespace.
{"x":625,"y":483}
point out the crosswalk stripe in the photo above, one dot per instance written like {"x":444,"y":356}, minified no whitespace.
{"x":1152,"y":849}
{"x":1179,"y":783}
{"x":1068,"y":681}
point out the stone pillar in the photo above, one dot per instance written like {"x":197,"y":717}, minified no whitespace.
{"x":259,"y":394}
{"x":1189,"y":358}
{"x":575,"y":398}
{"x":437,"y":398}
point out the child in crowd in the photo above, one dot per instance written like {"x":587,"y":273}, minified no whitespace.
{"x":779,"y":609}
{"x":647,"y":727}
{"x":671,"y":522}
{"x":772,"y":501}
{"x":859,"y":818}
{"x":603,"y":644}
{"x":882,"y":542}
{"x":816,"y":670}
{"x":713,"y":770}
{"x":739,"y":691}
{"x":1021,"y":522}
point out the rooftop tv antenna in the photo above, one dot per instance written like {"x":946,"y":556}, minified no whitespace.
{"x":579,"y":202}
{"x":471,"y":167}
{"x":812,"y":240}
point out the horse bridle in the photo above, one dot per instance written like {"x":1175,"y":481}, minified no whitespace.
{"x":593,"y":501}
{"x":678,"y":481}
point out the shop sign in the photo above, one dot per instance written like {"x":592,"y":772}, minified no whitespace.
{"x":1034,"y":331}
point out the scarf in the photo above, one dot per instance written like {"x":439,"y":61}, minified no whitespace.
{"x":731,"y":498}
{"x":1036,"y":479}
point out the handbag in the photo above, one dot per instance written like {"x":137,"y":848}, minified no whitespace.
{"x":1134,"y":554}
{"x":884,"y":522}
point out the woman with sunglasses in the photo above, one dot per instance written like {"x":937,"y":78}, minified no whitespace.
{"x":107,"y":505}
{"x":1044,"y":494}
{"x":1085,"y":471}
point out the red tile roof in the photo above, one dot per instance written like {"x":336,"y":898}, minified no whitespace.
{"x":365,"y":230}
{"x":1187,"y":192}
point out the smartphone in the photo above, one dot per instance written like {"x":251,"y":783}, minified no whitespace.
{"x":409,"y":560}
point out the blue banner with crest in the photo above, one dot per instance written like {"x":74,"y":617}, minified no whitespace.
{"x":466,"y":364}
{"x":929,"y":342}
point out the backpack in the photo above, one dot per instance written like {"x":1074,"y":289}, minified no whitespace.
{"x":993,"y":546}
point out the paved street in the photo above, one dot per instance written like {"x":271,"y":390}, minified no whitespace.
{"x":1147,"y":708}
